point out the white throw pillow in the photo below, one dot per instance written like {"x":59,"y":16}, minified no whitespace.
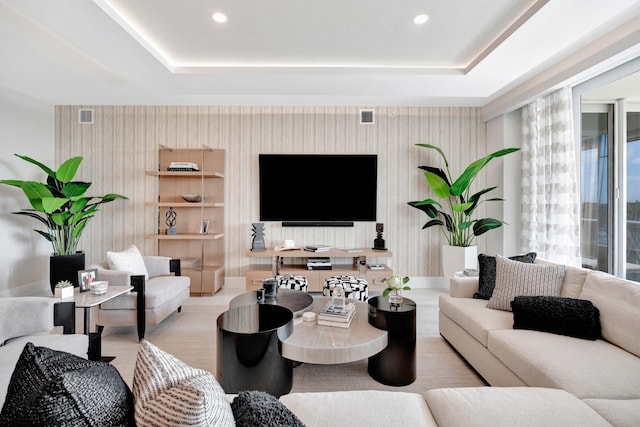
{"x":128,"y":260}
{"x":515,"y":278}
{"x":167,"y":391}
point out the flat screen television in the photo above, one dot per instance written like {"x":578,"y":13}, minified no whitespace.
{"x":318,"y":189}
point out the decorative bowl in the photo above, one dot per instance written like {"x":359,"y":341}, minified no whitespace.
{"x":99,"y":287}
{"x":192,"y":197}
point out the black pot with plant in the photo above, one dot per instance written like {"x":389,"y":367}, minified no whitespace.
{"x":62,"y":206}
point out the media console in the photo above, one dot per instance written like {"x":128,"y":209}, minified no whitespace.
{"x":344,"y":263}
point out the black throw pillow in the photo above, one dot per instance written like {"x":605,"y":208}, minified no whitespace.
{"x":55,"y":388}
{"x":487,"y":272}
{"x":258,"y":408}
{"x":563,"y":316}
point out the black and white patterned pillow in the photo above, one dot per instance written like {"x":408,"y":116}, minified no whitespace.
{"x":515,"y":278}
{"x":487,"y":272}
{"x":167,"y":391}
{"x":289,"y":281}
{"x":50,"y":387}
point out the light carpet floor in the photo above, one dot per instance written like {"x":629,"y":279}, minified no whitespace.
{"x":191,"y":337}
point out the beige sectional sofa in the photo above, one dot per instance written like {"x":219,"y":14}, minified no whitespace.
{"x":604,"y":374}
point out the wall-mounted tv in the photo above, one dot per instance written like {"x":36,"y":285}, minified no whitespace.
{"x":318,"y":189}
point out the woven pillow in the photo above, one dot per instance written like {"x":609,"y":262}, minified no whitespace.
{"x":487,"y":272}
{"x":50,"y":387}
{"x":258,"y":408}
{"x":128,"y":260}
{"x":564,"y":316}
{"x":167,"y":391}
{"x":515,"y":278}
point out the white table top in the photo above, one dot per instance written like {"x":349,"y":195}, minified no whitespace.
{"x":313,"y":343}
{"x":87,"y":299}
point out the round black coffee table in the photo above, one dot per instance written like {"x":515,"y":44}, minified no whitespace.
{"x":248,"y":350}
{"x":296,"y":301}
{"x":396,"y":364}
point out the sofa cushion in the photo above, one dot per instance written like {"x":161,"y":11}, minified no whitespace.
{"x":586,"y":369}
{"x":474,"y":316}
{"x":167,"y":391}
{"x":50,"y":387}
{"x":35,"y":315}
{"x":258,"y":408}
{"x":509,"y":406}
{"x":620,"y":413}
{"x":487,"y":272}
{"x":157,"y":291}
{"x":359,"y":407}
{"x":573,"y":281}
{"x":565,"y":316}
{"x":128,"y":260}
{"x":515,"y":278}
{"x":618,"y":301}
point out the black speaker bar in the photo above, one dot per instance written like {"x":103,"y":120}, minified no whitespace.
{"x":317,"y":223}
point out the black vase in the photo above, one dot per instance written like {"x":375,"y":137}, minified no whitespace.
{"x":65,"y":267}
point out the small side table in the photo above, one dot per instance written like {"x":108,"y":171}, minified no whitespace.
{"x":396,"y":364}
{"x":249,"y":349}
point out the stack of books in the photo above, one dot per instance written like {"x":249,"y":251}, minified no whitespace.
{"x":337,"y":317}
{"x":182,"y":166}
{"x":319,"y":263}
{"x":317,"y":248}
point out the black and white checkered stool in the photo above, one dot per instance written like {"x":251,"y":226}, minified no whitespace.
{"x":354,"y":287}
{"x":289,"y":281}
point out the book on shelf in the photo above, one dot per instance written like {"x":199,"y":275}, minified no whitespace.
{"x":317,"y":248}
{"x":352,"y":250}
{"x":375,"y":266}
{"x":319,"y":267}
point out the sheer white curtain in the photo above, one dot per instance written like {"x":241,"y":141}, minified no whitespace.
{"x":550,"y":197}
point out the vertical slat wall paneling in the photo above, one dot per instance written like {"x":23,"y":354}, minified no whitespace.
{"x":123,"y":143}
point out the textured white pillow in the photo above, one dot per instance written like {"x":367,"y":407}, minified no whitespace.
{"x":128,"y":260}
{"x":515,"y":278}
{"x":167,"y":391}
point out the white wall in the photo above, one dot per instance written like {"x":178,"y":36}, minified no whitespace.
{"x":502,"y":132}
{"x":26,"y":127}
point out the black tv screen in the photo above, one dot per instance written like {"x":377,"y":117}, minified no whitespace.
{"x":322,"y":188}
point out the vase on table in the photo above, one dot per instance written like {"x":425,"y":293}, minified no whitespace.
{"x":395,"y":297}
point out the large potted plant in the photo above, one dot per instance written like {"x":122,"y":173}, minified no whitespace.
{"x":61,"y":205}
{"x":454,"y":213}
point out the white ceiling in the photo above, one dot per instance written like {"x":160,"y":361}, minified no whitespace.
{"x":303,"y":52}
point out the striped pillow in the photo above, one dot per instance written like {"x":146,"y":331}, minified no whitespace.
{"x":515,"y":278}
{"x":169,"y":392}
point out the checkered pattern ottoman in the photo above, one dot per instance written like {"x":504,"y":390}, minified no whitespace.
{"x":354,"y":287}
{"x":289,"y":281}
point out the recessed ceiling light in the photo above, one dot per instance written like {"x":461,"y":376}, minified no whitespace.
{"x":421,"y":19}
{"x":219,"y":17}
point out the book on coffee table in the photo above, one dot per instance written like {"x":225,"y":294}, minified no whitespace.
{"x":340,"y":317}
{"x":337,"y":324}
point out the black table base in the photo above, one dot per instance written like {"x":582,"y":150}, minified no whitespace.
{"x":249,"y":349}
{"x":396,"y":364}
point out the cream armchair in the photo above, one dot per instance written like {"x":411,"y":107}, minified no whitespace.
{"x":151,"y":301}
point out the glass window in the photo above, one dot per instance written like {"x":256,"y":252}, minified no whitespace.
{"x":633,"y":196}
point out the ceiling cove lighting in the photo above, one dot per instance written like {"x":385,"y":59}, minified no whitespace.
{"x":219,"y":17}
{"x":420,"y":19}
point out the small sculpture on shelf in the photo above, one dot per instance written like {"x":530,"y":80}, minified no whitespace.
{"x":171,"y":219}
{"x":378,"y":242}
{"x":258,"y":244}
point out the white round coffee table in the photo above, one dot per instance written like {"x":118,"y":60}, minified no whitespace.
{"x":313,"y":343}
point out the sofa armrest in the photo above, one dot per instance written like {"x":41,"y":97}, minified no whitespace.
{"x":157,"y":265}
{"x":20,"y":316}
{"x":463,"y":287}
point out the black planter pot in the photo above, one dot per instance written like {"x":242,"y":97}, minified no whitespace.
{"x":65,"y":267}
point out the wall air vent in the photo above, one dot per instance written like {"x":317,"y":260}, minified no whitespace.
{"x":85,"y":116}
{"x":367,"y":117}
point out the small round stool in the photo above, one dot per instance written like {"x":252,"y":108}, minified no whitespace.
{"x":289,"y":281}
{"x":354,"y":287}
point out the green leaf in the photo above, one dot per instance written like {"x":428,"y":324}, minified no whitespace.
{"x":433,"y":147}
{"x":465,"y":225}
{"x":426,"y":206}
{"x":462,"y":183}
{"x":438,"y":185}
{"x":436,"y":171}
{"x":35,"y":192}
{"x":75,"y":189}
{"x":40,"y":165}
{"x":78,"y":205}
{"x":432,"y":223}
{"x":483,"y":225}
{"x":461,"y":207}
{"x":68,"y":169}
{"x":13,"y":182}
{"x":386,"y":292}
{"x":52,"y":204}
